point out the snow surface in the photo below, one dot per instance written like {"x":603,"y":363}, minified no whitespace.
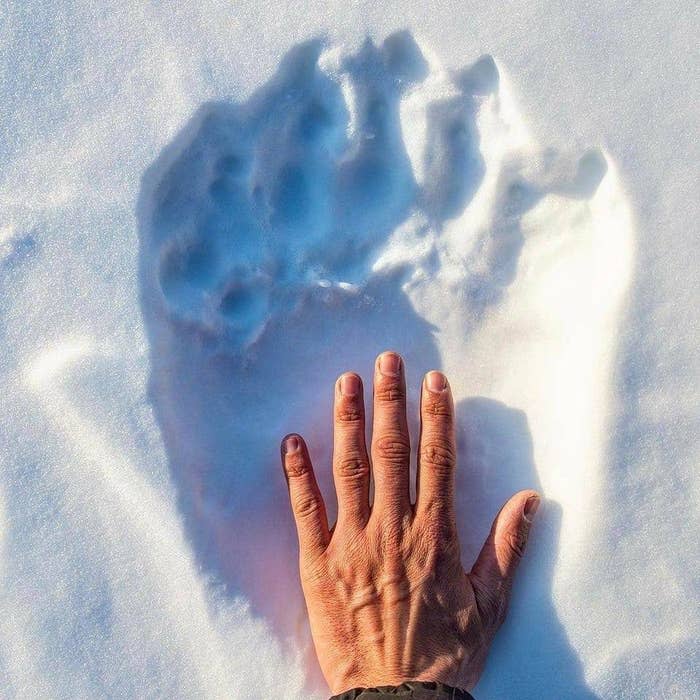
{"x":209,"y":212}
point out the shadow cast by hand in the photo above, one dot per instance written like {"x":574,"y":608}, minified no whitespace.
{"x":531,"y":656}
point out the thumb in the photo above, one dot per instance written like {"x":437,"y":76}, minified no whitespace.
{"x":495,"y":566}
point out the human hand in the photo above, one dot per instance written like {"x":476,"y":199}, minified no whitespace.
{"x":387,"y":597}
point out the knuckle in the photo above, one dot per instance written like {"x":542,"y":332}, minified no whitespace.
{"x":349,"y":412}
{"x":296,"y":465}
{"x":389,"y":391}
{"x":438,"y":408}
{"x":438,"y":454}
{"x":352,"y":467}
{"x":306,"y":505}
{"x":515,"y":541}
{"x":393,"y":449}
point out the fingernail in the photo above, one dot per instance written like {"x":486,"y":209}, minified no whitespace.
{"x":435,"y":381}
{"x":531,"y":506}
{"x":291,"y":444}
{"x":390,"y":364}
{"x":349,"y":385}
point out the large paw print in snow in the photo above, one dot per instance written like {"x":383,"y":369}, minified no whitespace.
{"x":301,"y":187}
{"x":278,"y":196}
{"x":360,"y":201}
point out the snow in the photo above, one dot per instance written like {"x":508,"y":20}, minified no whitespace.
{"x":210,"y":211}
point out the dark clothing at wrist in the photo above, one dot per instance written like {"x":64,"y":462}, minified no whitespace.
{"x":418,"y":690}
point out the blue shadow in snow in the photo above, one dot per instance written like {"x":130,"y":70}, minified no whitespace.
{"x":531,"y":656}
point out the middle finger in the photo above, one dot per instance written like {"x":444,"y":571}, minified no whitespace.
{"x":391,"y":448}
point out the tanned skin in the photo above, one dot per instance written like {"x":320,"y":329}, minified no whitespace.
{"x":387,"y":596}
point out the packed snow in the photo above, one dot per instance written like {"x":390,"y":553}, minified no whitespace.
{"x":210,"y":212}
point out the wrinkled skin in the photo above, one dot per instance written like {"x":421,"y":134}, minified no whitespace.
{"x":387,"y":596}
